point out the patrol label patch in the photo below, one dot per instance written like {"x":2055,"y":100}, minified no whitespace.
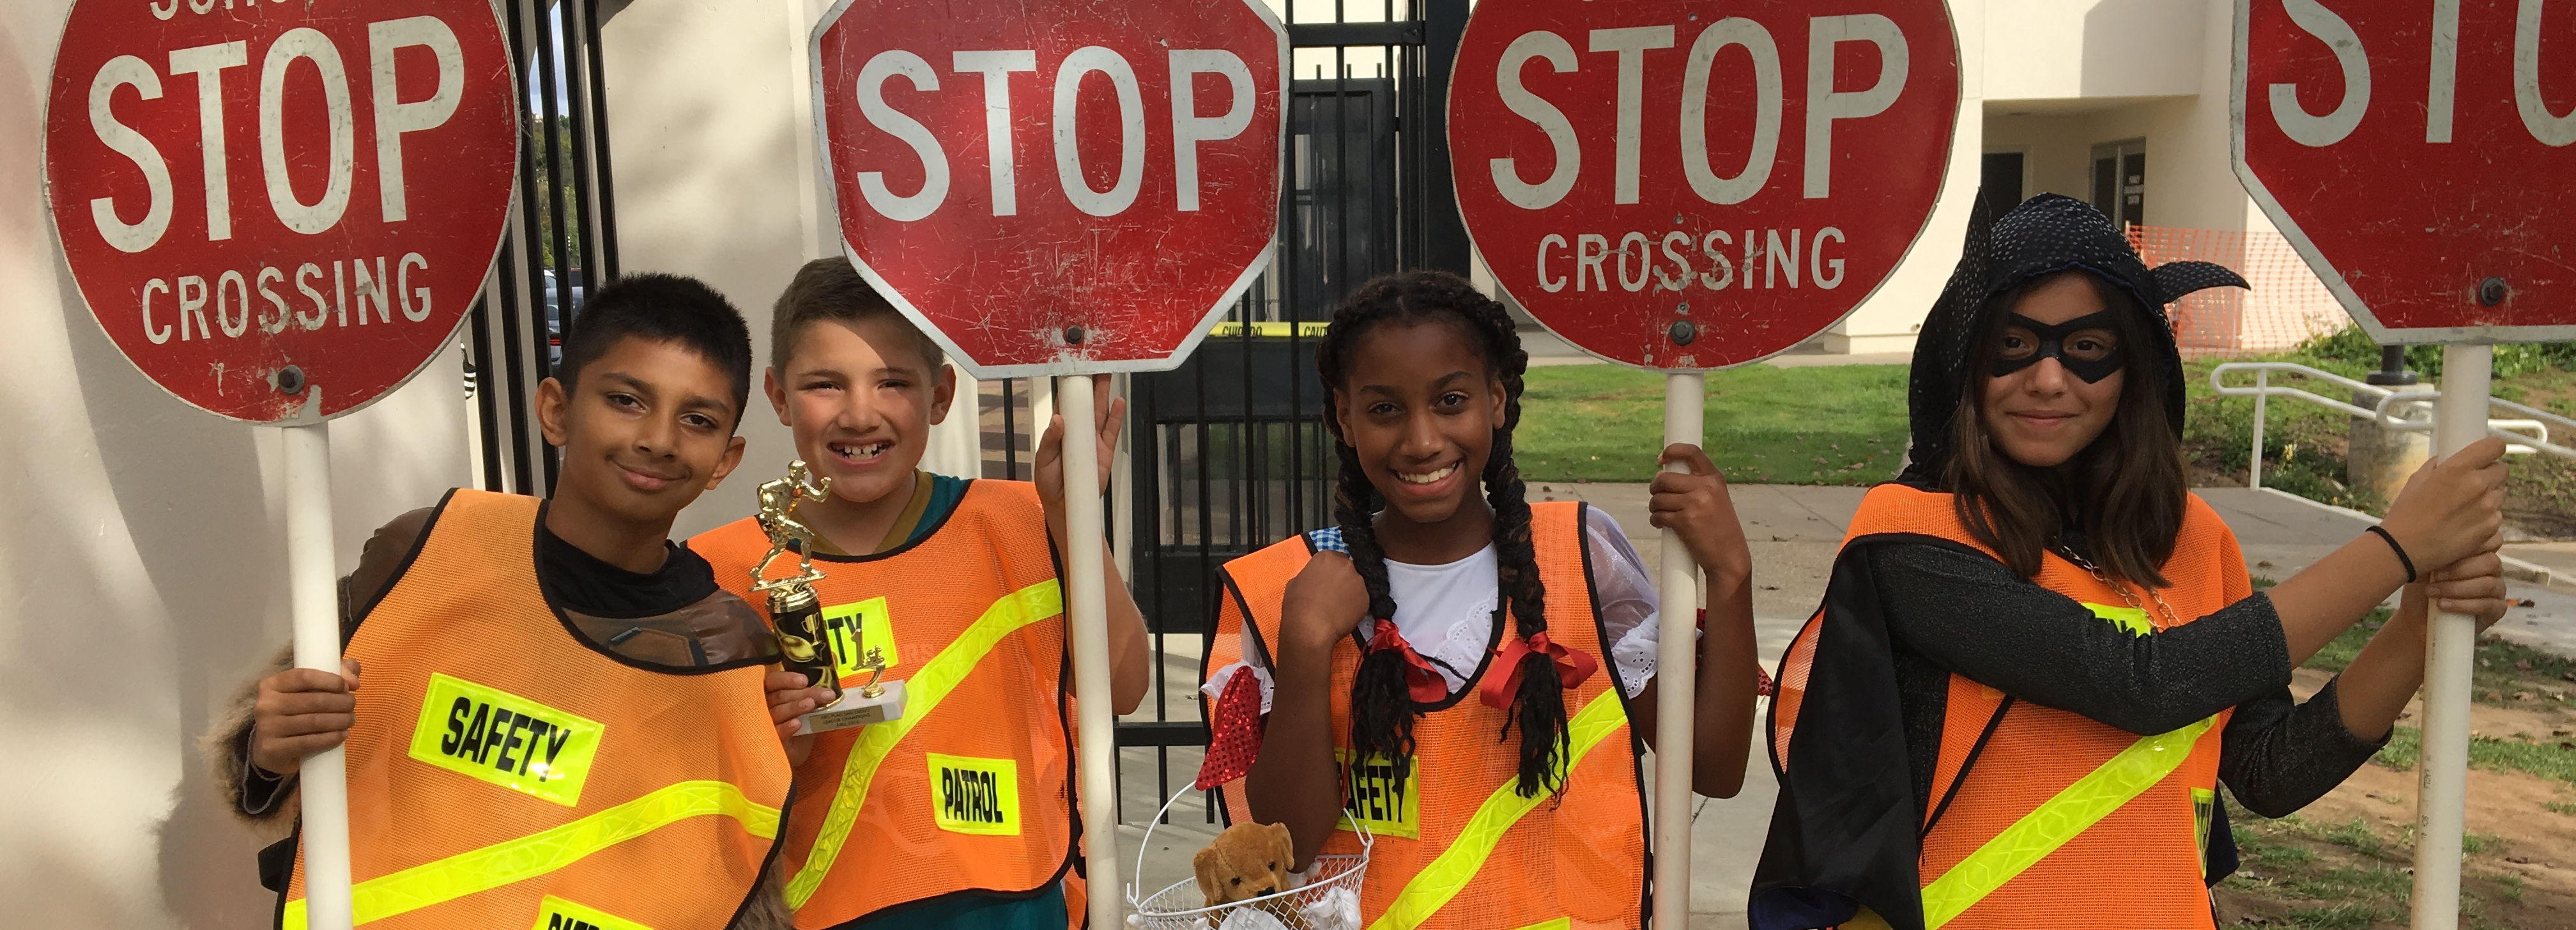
{"x":978,"y":796}
{"x":857,"y":627}
{"x":505,"y":739}
{"x":1378,"y":800}
{"x":558,"y":914}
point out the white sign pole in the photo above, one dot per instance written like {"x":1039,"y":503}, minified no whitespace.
{"x":1676,"y":673}
{"x":1087,"y":622}
{"x":2442,"y":768}
{"x":314,"y":604}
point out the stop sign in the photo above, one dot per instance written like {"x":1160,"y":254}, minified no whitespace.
{"x":1684,"y":184}
{"x":1055,"y":186}
{"x":2417,"y":155}
{"x":262,"y":203}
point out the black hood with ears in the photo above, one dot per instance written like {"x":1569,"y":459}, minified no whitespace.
{"x":2046,"y":234}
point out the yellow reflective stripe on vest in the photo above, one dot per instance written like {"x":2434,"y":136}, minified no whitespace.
{"x":922,"y":694}
{"x":2074,"y":809}
{"x":1448,"y":873}
{"x":530,"y":856}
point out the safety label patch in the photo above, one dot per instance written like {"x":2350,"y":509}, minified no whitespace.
{"x":1374,"y":797}
{"x":978,"y":796}
{"x":2132,"y":619}
{"x":505,"y":739}
{"x":857,"y":627}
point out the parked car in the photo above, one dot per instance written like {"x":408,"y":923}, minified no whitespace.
{"x":553,"y":298}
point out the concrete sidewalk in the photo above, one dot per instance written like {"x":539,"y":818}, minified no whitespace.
{"x":1794,"y":532}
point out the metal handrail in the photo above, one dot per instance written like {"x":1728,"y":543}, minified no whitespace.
{"x":2529,"y":434}
{"x":2409,"y":411}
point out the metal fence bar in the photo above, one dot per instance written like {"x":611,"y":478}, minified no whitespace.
{"x":2262,"y":395}
{"x":581,"y":70}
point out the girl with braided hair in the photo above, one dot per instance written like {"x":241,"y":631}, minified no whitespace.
{"x":1430,"y":667}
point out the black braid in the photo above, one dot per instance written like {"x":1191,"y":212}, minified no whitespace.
{"x":1382,"y":709}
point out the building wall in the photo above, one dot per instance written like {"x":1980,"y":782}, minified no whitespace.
{"x":141,"y":573}
{"x":2064,"y":49}
{"x":2151,"y":69}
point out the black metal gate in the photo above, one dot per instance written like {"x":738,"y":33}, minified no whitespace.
{"x":562,"y":239}
{"x":1229,"y":452}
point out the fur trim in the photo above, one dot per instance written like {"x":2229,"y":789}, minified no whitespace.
{"x":768,"y":907}
{"x":226,"y":748}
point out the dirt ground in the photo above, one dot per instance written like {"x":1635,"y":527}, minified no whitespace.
{"x":2346,"y":861}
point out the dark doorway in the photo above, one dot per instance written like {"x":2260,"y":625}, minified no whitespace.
{"x":2120,"y":181}
{"x":2000,"y":183}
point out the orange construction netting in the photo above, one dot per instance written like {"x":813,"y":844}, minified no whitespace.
{"x":2286,"y":306}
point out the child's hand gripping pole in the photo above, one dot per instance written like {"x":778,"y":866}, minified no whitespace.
{"x":313,"y":603}
{"x":1676,"y":667}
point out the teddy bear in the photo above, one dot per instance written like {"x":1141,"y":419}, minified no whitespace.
{"x":1247,"y":861}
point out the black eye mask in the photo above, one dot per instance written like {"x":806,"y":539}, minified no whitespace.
{"x":2052,"y":344}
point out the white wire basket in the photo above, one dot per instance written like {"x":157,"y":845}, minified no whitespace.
{"x":1329,"y":900}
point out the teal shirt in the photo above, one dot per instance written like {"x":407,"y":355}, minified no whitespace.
{"x":978,"y":912}
{"x":945,"y":492}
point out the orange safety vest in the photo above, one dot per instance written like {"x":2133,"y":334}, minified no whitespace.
{"x":2064,"y":817}
{"x":504,"y":772}
{"x":972,"y":791}
{"x":1456,"y":844}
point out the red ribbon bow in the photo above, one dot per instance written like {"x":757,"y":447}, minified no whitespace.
{"x":1420,"y":678}
{"x":1572,"y":668}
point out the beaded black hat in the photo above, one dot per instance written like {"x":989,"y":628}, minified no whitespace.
{"x":2044,"y":235}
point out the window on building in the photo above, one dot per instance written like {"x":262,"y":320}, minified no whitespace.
{"x":2000,"y":185}
{"x":2120,"y":181}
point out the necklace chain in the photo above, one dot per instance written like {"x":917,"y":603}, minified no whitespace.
{"x":2172,"y":618}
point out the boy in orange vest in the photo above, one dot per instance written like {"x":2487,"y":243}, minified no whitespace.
{"x":539,"y":671}
{"x":960,"y":814}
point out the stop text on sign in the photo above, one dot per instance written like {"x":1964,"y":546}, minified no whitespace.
{"x":2441,"y":85}
{"x":1062,"y":93}
{"x":321,"y":185}
{"x":1749,"y":170}
{"x":1628,"y":46}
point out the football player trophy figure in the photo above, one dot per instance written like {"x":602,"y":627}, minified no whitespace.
{"x":796,"y":614}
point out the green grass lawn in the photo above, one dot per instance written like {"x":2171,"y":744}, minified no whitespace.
{"x":1846,"y":425}
{"x":1835,"y":424}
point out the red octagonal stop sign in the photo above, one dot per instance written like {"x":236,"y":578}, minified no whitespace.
{"x":1685,"y":184}
{"x":1055,"y":186}
{"x":2424,"y":164}
{"x":276,"y":196}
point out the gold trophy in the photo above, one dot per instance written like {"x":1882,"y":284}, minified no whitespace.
{"x":796,"y":613}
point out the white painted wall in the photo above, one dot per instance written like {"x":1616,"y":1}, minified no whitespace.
{"x":2191,"y":181}
{"x":141,"y":578}
{"x":2053,"y":49}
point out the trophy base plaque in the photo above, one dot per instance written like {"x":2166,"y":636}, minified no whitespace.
{"x":855,"y":708}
